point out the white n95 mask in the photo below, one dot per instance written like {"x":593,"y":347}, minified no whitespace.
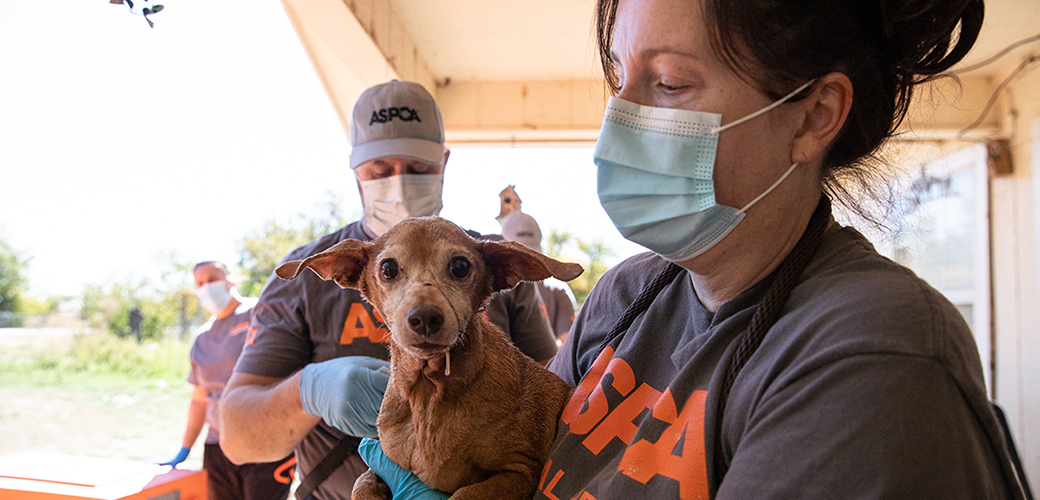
{"x":393,"y":199}
{"x":655,"y":170}
{"x":214,"y":296}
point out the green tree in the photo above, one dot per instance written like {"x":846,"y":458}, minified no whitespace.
{"x":169,"y":307}
{"x":178,"y":285}
{"x":262,"y":249}
{"x":108,"y":308}
{"x":592,"y":255}
{"x":43,"y":306}
{"x":12,"y":280}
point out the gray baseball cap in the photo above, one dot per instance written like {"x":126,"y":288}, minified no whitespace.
{"x":522,"y":228}
{"x":396,"y":119}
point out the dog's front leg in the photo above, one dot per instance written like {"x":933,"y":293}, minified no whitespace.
{"x":370,"y":487}
{"x":502,"y":486}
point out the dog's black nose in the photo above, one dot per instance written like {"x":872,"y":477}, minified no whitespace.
{"x":426,"y":320}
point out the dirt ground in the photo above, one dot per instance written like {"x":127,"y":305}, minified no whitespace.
{"x":144,"y":424}
{"x":92,"y":415}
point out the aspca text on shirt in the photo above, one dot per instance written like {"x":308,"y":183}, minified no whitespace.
{"x":619,"y":435}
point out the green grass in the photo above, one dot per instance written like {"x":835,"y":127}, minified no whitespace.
{"x":96,"y":395}
{"x":94,"y":360}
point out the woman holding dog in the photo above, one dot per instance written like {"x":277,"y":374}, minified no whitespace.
{"x":761,"y":350}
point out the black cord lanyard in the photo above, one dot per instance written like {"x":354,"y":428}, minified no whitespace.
{"x":766,"y":313}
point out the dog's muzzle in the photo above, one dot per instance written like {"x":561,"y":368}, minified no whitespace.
{"x":426,"y":320}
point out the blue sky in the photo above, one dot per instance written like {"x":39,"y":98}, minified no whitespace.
{"x":119,"y":142}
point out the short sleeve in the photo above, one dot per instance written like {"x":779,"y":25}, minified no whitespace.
{"x":278,"y":342}
{"x":518,"y":313}
{"x":193,"y":375}
{"x":564,"y":311}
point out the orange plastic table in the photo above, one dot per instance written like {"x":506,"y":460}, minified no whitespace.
{"x":48,"y":476}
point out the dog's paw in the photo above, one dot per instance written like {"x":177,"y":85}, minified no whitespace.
{"x":370,"y":487}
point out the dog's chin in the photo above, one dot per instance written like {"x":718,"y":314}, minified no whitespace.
{"x":426,"y":350}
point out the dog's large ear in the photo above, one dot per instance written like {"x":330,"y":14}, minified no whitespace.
{"x":510,"y":263}
{"x":343,"y":263}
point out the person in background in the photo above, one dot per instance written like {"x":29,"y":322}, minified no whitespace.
{"x":557,"y":298}
{"x":134,"y":319}
{"x":313,"y":373}
{"x":214,"y":352}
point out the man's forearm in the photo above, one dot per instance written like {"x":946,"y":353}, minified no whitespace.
{"x":262,"y":419}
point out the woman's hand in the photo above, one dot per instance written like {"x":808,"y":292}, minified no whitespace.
{"x":403,"y":484}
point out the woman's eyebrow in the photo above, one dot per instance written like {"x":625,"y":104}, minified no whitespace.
{"x":656,"y":51}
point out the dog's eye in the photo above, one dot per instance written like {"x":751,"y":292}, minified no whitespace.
{"x":388,"y":269}
{"x":459,"y":267}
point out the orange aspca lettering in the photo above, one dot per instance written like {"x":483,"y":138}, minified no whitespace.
{"x":590,"y":391}
{"x":251,"y":335}
{"x":572,"y":412}
{"x":239,"y":328}
{"x":545,"y":472}
{"x":644,"y":460}
{"x":556,"y":478}
{"x":285,"y":473}
{"x":360,"y":325}
{"x":619,"y":422}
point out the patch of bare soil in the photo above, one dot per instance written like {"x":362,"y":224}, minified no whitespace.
{"x":142,"y":423}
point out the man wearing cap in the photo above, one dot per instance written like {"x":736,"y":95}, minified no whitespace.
{"x":312,"y":375}
{"x":556,"y":297}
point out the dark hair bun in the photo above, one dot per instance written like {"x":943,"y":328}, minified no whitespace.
{"x":927,"y":37}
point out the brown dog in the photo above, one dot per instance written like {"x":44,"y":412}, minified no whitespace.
{"x":464,"y":410}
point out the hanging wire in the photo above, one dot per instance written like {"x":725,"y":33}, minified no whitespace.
{"x":996,"y":56}
{"x":996,"y":93}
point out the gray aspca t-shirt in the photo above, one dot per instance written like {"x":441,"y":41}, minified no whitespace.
{"x":309,"y":320}
{"x":559,"y":303}
{"x":213,"y":354}
{"x":868,"y":386}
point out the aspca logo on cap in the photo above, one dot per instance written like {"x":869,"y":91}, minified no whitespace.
{"x":403,"y":113}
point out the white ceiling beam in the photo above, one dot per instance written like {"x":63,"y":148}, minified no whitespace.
{"x":341,"y":51}
{"x":523,"y":111}
{"x":355,"y":44}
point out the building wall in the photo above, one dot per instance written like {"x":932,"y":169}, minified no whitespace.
{"x":1015,"y":259}
{"x":934,"y":128}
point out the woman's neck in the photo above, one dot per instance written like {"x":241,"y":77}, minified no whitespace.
{"x":749,"y":254}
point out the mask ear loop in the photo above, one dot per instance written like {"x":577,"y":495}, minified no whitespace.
{"x":767,"y":191}
{"x":764,"y":110}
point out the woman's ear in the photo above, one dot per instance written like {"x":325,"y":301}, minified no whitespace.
{"x":825,"y":111}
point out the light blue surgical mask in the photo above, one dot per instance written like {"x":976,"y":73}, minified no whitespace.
{"x":655,"y":176}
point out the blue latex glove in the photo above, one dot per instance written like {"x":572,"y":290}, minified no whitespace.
{"x":181,"y":455}
{"x":346,"y":392}
{"x":403,"y":484}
